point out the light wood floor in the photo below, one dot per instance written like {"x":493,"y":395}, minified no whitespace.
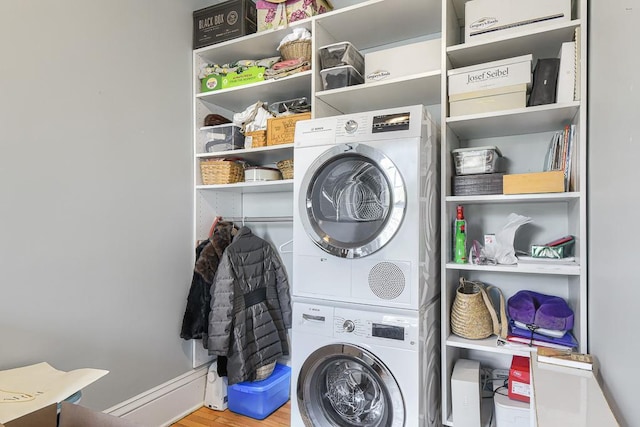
{"x":205,"y":417}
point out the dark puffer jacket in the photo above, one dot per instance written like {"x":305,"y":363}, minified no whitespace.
{"x":250,"y":307}
{"x":208,"y":254}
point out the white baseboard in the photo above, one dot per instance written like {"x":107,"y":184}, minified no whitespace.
{"x":166,"y":403}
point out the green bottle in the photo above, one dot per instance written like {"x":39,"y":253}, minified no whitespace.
{"x":460,"y":237}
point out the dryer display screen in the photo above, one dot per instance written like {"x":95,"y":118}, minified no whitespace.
{"x":386,"y":331}
{"x":390,"y":122}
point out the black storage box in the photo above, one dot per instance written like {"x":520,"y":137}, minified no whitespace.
{"x":473,"y":185}
{"x":224,"y":21}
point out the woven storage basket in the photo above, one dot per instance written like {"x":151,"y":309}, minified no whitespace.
{"x":296,"y":49}
{"x":473,"y":315}
{"x":221,"y":171}
{"x":258,"y":138}
{"x":286,"y":168}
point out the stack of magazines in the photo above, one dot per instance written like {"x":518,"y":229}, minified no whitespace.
{"x":560,"y":153}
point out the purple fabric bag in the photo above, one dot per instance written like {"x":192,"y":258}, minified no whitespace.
{"x":540,"y":311}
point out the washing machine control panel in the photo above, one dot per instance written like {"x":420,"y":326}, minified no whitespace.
{"x":351,"y":325}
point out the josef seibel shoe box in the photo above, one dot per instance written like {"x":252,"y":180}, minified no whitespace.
{"x":492,"y":86}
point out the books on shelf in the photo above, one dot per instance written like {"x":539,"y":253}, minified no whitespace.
{"x":565,"y":358}
{"x":525,"y":336}
{"x":560,"y":153}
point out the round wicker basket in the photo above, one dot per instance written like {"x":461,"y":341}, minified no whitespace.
{"x":286,"y":168}
{"x":221,"y":171}
{"x":296,"y":49}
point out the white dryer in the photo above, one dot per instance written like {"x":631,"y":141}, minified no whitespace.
{"x":366,"y":209}
{"x":373,"y":368}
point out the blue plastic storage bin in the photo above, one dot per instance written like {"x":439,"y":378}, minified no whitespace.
{"x":259,"y":399}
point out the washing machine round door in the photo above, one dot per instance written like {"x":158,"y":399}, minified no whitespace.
{"x":341,"y":385}
{"x":353,"y":200}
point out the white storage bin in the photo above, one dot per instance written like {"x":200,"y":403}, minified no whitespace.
{"x":476,"y":160}
{"x":222,"y":138}
{"x":489,"y":19}
{"x":403,"y":60}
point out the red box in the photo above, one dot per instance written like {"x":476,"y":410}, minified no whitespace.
{"x":519,"y":379}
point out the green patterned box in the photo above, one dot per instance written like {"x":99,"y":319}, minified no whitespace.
{"x":225,"y":81}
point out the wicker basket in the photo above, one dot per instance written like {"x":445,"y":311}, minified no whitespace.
{"x":296,"y":49}
{"x":472,"y":315}
{"x":221,"y":171}
{"x":286,"y":168}
{"x":258,"y":138}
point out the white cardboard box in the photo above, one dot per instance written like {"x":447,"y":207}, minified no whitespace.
{"x":403,"y":60}
{"x":488,"y":19}
{"x":483,"y":101}
{"x":505,"y":72}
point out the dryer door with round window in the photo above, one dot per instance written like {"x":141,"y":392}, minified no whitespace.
{"x":347,"y":386}
{"x":353,"y":200}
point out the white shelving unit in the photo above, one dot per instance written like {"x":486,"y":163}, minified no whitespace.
{"x":368,"y":25}
{"x":523,"y":137}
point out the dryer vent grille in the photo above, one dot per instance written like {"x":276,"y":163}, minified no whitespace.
{"x":386,"y":280}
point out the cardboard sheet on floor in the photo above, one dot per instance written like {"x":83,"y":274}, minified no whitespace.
{"x":29,"y":388}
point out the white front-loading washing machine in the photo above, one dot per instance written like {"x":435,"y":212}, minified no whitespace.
{"x":364,"y":368}
{"x":366,"y":209}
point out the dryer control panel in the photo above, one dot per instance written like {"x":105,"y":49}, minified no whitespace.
{"x":391,"y":122}
{"x":378,"y":327}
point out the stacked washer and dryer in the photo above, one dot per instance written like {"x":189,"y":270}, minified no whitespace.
{"x":365,"y":334}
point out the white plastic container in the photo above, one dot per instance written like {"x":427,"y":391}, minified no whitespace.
{"x":260,"y":173}
{"x":510,"y":413}
{"x":222,"y":138}
{"x":476,"y":160}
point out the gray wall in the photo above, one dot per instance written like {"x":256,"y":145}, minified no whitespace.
{"x":96,"y":205}
{"x":614,"y":202}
